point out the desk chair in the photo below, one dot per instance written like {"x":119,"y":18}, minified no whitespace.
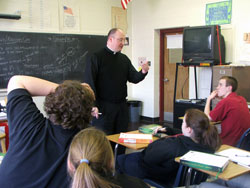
{"x":244,"y":142}
{"x":186,"y":176}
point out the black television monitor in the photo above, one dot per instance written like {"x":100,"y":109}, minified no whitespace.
{"x":200,"y":45}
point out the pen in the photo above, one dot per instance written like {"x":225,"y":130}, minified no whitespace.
{"x":99,"y":113}
{"x":242,"y":155}
{"x":242,"y":164}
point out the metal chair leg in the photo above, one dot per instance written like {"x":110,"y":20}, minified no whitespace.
{"x":188,"y":177}
{"x":116,"y":148}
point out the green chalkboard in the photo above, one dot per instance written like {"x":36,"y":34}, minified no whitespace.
{"x":54,"y":57}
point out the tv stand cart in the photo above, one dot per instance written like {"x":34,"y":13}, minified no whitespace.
{"x":181,"y":105}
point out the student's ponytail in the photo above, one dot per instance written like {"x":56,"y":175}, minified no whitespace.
{"x":85,"y":177}
{"x":210,"y":137}
{"x":203,"y":132}
{"x":91,"y":160}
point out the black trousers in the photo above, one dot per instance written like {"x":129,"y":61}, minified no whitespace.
{"x":114,"y":119}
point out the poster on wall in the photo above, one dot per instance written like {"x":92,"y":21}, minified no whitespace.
{"x":219,"y":13}
{"x":70,"y":18}
{"x":119,"y":18}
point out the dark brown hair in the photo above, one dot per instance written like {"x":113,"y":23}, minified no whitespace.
{"x":70,"y":105}
{"x":203,"y":132}
{"x":231,"y":81}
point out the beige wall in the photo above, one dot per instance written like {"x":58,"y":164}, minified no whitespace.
{"x":148,"y":16}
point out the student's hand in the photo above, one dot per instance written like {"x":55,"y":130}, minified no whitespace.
{"x":159,"y":129}
{"x":95,"y":112}
{"x":213,"y":95}
{"x":145,"y":67}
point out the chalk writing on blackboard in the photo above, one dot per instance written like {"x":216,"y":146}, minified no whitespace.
{"x":55,"y":57}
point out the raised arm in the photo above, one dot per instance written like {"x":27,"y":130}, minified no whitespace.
{"x":208,"y":103}
{"x":35,"y":86}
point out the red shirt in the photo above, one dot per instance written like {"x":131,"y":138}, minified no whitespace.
{"x":234,"y":115}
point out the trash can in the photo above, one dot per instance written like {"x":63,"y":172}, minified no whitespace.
{"x":134,"y":110}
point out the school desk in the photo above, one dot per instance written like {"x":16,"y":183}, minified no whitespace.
{"x":231,"y":171}
{"x":115,"y":138}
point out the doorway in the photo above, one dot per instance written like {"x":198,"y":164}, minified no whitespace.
{"x":168,"y":59}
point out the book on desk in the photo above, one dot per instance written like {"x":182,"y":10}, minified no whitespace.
{"x":149,"y":129}
{"x":135,"y":138}
{"x":205,"y":161}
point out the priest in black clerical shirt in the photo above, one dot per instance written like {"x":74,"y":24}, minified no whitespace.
{"x":107,"y":72}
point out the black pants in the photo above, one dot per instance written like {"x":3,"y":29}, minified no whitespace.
{"x":114,"y":119}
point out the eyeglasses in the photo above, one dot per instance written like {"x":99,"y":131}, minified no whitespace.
{"x":120,"y":39}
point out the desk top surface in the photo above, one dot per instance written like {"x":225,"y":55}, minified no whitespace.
{"x":115,"y":138}
{"x":232,"y":170}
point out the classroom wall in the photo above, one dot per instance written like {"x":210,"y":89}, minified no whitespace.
{"x":92,"y":17}
{"x":149,"y":16}
{"x":145,"y":19}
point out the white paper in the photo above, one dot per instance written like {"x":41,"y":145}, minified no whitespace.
{"x":174,"y":41}
{"x":236,"y":155}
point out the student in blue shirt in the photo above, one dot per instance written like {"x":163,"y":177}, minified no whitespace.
{"x":38,"y":149}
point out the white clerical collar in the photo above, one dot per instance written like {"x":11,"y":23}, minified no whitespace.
{"x":111,"y":50}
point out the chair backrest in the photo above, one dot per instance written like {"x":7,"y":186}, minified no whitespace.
{"x":244,"y":142}
{"x":185,"y":176}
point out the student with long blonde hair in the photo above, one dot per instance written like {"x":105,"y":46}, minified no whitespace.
{"x":91,"y":163}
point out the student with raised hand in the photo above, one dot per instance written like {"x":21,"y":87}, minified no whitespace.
{"x":157,"y":161}
{"x":38,"y":149}
{"x":91,"y":163}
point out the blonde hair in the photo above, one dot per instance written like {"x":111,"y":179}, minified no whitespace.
{"x":90,"y":144}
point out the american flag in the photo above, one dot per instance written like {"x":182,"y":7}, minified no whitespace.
{"x":124,"y":3}
{"x":67,"y":10}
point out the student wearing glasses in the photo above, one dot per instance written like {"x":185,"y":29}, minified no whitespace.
{"x":107,"y":72}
